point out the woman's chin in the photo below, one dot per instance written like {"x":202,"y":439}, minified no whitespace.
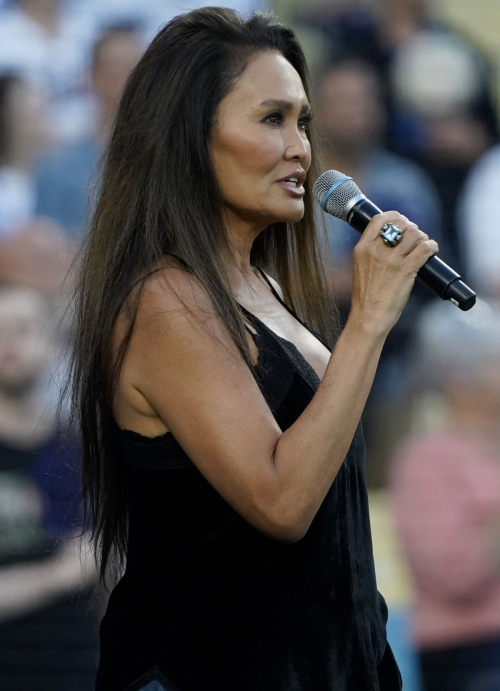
{"x":292,"y":213}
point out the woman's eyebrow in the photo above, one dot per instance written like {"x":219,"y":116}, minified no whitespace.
{"x":287,"y":106}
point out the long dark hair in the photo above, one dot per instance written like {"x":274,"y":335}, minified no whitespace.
{"x":159,"y":194}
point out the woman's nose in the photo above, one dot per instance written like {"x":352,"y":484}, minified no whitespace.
{"x":297,"y":146}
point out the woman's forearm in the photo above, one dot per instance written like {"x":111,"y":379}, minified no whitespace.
{"x":310,"y":452}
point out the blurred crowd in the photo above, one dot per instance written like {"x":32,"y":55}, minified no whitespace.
{"x":406,"y":105}
{"x":63,"y":65}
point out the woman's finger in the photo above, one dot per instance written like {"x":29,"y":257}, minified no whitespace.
{"x":412,"y":236}
{"x":372,"y":231}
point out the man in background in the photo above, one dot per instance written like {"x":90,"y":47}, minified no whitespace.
{"x":48,"y":634}
{"x":352,"y":115}
{"x":63,"y":177}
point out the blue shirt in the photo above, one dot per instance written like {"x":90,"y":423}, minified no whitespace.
{"x":63,"y":182}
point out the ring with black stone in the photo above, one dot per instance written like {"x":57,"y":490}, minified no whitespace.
{"x":391,"y":234}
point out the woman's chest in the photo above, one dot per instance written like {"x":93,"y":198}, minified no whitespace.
{"x":293,"y":337}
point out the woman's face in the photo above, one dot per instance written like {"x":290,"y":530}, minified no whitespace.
{"x":260,"y":141}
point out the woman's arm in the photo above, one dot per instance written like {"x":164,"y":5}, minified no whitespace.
{"x":188,"y":369}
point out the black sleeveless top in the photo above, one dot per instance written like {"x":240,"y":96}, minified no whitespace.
{"x":209,"y":603}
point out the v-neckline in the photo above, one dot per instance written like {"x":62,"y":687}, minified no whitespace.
{"x":296,"y":350}
{"x":294,"y":315}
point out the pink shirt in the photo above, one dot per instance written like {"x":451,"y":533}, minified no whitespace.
{"x":445,"y":491}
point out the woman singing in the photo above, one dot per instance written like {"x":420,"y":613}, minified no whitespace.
{"x":223,"y":457}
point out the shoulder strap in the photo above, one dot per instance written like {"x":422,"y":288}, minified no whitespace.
{"x":292,"y":312}
{"x":264,"y":276}
{"x":278,"y":297}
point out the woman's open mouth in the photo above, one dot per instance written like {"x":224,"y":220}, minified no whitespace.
{"x":294,"y":184}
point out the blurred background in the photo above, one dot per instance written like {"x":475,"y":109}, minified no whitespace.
{"x":407,"y":97}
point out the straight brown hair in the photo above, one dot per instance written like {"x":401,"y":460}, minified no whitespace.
{"x":158,"y":193}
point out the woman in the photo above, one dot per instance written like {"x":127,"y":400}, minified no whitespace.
{"x":223,"y":459}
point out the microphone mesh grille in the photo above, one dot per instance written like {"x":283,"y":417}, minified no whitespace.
{"x":340,"y":196}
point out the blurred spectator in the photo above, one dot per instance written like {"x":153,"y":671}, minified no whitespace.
{"x":49,"y":44}
{"x":438,"y":82}
{"x":63,"y":177}
{"x":38,"y":256}
{"x":351,"y":116}
{"x":21,"y":136}
{"x":393,"y":31}
{"x":437,"y":88}
{"x":443,"y":111}
{"x":479,"y":215}
{"x":153,"y":14}
{"x":48,"y":638}
{"x":445,"y":486}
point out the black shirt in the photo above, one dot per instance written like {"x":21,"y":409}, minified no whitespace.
{"x":211,"y":603}
{"x":51,"y":645}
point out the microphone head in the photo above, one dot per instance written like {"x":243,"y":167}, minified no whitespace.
{"x":334,"y":191}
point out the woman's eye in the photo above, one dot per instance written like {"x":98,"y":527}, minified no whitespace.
{"x":304,"y":122}
{"x":275,"y":118}
{"x":278,"y":119}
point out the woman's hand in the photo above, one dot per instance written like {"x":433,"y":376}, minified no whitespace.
{"x":383,"y":276}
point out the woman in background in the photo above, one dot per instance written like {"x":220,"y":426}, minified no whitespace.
{"x":446,"y":494}
{"x":223,"y":457}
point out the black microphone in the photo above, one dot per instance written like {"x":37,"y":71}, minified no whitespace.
{"x":339,"y":195}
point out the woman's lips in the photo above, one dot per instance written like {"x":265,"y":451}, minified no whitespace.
{"x":295,"y":189}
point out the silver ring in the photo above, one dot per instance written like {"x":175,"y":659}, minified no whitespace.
{"x":391,"y":234}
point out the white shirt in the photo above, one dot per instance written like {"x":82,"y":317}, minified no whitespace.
{"x":56,"y":65}
{"x":154,"y":13}
{"x":17,"y":200}
{"x":479,"y":222}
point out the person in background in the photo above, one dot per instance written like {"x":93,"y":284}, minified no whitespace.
{"x":436,"y":86}
{"x":352,"y":117}
{"x":439,"y":93}
{"x":48,"y":42}
{"x":22,"y":134}
{"x":63,"y":177}
{"x":40,"y":256}
{"x":48,"y":635}
{"x":445,"y":490}
{"x":151,"y":15}
{"x":479,"y":211}
{"x":379,"y":33}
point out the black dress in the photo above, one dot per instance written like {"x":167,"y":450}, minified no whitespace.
{"x":209,"y":603}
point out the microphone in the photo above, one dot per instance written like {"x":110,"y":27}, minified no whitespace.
{"x":339,"y":195}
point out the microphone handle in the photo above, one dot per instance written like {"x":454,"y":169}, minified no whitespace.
{"x":434,"y":274}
